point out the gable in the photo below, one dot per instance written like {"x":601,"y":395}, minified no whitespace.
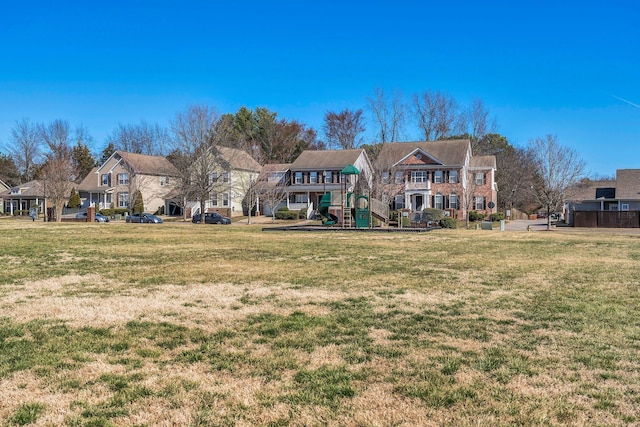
{"x":418,"y":157}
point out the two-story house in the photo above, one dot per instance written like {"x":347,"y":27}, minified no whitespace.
{"x":436,"y":174}
{"x":314,"y":173}
{"x":233,"y":175}
{"x":122,"y":176}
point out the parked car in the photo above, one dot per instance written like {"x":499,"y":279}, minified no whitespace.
{"x":98,"y":217}
{"x":144,"y":218}
{"x":211,"y":218}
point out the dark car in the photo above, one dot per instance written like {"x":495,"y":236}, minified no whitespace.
{"x":211,"y":218}
{"x":144,"y":218}
{"x":98,"y":217}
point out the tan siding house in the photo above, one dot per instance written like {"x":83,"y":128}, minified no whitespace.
{"x":117,"y":182}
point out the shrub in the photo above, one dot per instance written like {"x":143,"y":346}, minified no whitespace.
{"x":448,"y":222}
{"x":498,"y":216}
{"x":106,"y":212}
{"x":432,"y":214}
{"x":285,"y":213}
{"x":74,"y":200}
{"x":302,"y":214}
{"x":475,"y":216}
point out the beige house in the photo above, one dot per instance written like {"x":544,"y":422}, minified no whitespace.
{"x":234,"y":175}
{"x":3,"y":188}
{"x":117,"y":182}
{"x":436,"y":174}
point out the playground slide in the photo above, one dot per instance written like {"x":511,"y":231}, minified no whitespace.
{"x":323,"y":209}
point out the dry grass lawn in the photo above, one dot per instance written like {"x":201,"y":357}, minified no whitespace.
{"x":182,"y":324}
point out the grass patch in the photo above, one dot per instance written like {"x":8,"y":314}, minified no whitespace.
{"x":226,"y":326}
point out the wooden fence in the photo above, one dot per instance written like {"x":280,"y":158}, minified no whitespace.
{"x":606,"y":219}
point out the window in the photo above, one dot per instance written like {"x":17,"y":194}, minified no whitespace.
{"x":214,"y":199}
{"x":313,"y":177}
{"x":225,"y":199}
{"x":385,"y":177}
{"x":328,"y":177}
{"x":418,"y":176}
{"x":453,"y":201}
{"x":104,"y":179}
{"x":300,"y":198}
{"x":399,"y":201}
{"x":213,"y":178}
{"x":437,"y":177}
{"x":478,"y":177}
{"x":123,"y":200}
{"x":108,"y":198}
{"x":164,"y":180}
{"x":123,"y":179}
{"x":438,"y":201}
{"x":453,"y":177}
{"x":298,"y":178}
{"x":399,"y":177}
{"x":225,"y":177}
{"x":478,"y":203}
{"x":624,"y":207}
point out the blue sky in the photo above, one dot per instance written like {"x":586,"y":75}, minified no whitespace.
{"x":568,"y":68}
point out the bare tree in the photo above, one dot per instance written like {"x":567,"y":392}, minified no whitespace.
{"x":388,"y":115}
{"x":272,"y":193}
{"x":59,"y":167}
{"x":557,"y":168}
{"x":25,"y":148}
{"x":478,"y":123}
{"x":141,"y":138}
{"x":193,"y":137}
{"x":343,"y":129}
{"x":437,"y":115}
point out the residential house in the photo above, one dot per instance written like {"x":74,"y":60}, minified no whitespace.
{"x":233,"y":178}
{"x":607,"y":203}
{"x":117,"y":181}
{"x":437,"y":174}
{"x":3,"y":188}
{"x":272,"y":182}
{"x":20,"y":198}
{"x":314,"y":173}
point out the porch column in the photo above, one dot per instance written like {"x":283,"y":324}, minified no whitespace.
{"x":407,"y":201}
{"x":287,"y":200}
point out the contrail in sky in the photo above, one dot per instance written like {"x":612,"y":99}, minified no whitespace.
{"x":628,"y":102}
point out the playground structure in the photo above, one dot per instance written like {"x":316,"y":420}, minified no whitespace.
{"x":346,"y":208}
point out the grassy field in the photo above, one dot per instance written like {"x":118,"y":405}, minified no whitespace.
{"x":179,"y":324}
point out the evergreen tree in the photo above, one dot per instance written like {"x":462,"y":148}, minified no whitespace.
{"x":74,"y":200}
{"x":138,"y":205}
{"x":107,"y":152}
{"x":83,"y":161}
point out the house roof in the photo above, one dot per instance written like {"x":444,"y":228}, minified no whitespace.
{"x":148,"y":165}
{"x":628,"y":184}
{"x":90,"y":182}
{"x":239,"y":159}
{"x":326,"y":159}
{"x":590,"y":190}
{"x":448,"y":152}
{"x":483,"y":162}
{"x":33,"y":188}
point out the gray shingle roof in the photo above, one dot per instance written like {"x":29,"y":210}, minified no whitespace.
{"x":239,"y":159}
{"x":449,"y":152}
{"x":148,"y":165}
{"x":325,"y":159}
{"x":628,"y":184}
{"x":483,"y":162}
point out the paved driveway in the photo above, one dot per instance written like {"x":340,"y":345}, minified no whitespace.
{"x":522,"y":224}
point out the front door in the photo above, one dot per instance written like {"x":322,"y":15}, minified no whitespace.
{"x":418,"y":201}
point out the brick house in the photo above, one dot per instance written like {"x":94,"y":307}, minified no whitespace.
{"x":436,"y":174}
